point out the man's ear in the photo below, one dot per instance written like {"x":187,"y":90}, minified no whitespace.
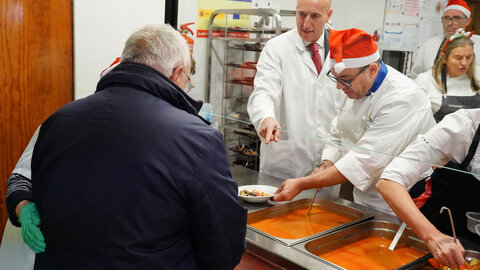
{"x":373,"y":70}
{"x":176,"y":73}
{"x":469,"y":20}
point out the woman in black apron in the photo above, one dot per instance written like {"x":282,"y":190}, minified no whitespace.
{"x":454,"y":68}
{"x":452,"y":83}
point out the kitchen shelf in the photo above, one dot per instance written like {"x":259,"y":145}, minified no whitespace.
{"x":244,"y":153}
{"x":236,"y":51}
{"x":252,"y":47}
{"x":240,"y":130}
{"x":245,"y":66}
{"x":243,"y":81}
{"x":254,"y":30}
{"x":240,"y":99}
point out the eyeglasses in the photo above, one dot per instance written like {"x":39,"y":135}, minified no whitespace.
{"x":189,"y":85}
{"x":346,"y":83}
{"x":454,"y":19}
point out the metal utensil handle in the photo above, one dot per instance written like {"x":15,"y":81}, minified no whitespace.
{"x":311,"y":202}
{"x":451,"y":222}
{"x":477,"y":229}
{"x":397,"y":236}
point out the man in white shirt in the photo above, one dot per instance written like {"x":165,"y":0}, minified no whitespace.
{"x":293,"y":94}
{"x":456,"y":15}
{"x":384,"y":112}
{"x":450,"y":140}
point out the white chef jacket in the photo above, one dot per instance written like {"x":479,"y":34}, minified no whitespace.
{"x":288,"y":88}
{"x":14,"y":253}
{"x":449,"y":140}
{"x":369,"y":132}
{"x":425,"y":57}
{"x":458,"y":86}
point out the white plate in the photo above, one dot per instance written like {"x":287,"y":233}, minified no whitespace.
{"x":263,"y":188}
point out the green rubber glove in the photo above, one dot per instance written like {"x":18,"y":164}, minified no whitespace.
{"x":31,"y":234}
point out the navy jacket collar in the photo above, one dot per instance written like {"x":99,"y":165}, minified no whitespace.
{"x":147,"y":79}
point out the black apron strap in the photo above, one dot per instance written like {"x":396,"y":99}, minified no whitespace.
{"x":472,"y":149}
{"x":474,"y":85}
{"x":443,"y":74}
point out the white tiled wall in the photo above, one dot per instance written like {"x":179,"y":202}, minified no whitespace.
{"x":100,"y":30}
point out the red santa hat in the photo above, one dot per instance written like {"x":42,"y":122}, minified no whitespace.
{"x":351,"y":48}
{"x":458,"y":5}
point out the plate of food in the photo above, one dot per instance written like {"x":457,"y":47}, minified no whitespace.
{"x":256,"y":193}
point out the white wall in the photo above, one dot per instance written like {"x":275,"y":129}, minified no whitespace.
{"x":367,"y":15}
{"x":100,"y":31}
{"x":346,"y":14}
{"x":101,"y":28}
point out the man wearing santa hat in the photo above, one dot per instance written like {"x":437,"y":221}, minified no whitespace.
{"x":384,"y":112}
{"x":456,"y":15}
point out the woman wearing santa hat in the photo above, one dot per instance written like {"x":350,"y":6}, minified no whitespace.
{"x":452,"y":83}
{"x":456,"y":15}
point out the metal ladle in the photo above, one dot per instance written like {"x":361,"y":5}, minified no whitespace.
{"x":451,"y":222}
{"x":311,"y":202}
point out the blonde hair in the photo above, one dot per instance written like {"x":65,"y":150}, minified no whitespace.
{"x":439,"y":65}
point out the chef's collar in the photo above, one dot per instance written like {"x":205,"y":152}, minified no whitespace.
{"x":319,"y":42}
{"x":382,"y":73}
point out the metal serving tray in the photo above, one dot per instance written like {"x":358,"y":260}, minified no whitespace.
{"x":346,"y":210}
{"x":371,"y":228}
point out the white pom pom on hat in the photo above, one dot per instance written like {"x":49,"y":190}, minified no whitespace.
{"x":351,"y":48}
{"x":339,"y":67}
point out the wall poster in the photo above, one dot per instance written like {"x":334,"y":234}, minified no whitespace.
{"x":207,"y":7}
{"x":408,"y":23}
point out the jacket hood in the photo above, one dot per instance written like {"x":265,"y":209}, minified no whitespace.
{"x":144,"y":78}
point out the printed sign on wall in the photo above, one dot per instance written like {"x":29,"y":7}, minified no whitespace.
{"x":207,"y":7}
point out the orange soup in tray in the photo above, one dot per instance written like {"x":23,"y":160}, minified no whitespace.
{"x":365,"y":246}
{"x":289,"y":224}
{"x":297,"y":224}
{"x":372,"y":253}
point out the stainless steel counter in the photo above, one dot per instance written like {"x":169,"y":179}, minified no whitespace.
{"x":270,"y":248}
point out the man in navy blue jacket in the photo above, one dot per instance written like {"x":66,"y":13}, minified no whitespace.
{"x":132,"y":177}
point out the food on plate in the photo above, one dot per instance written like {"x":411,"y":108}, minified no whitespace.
{"x":253,"y":193}
{"x":473,"y":264}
